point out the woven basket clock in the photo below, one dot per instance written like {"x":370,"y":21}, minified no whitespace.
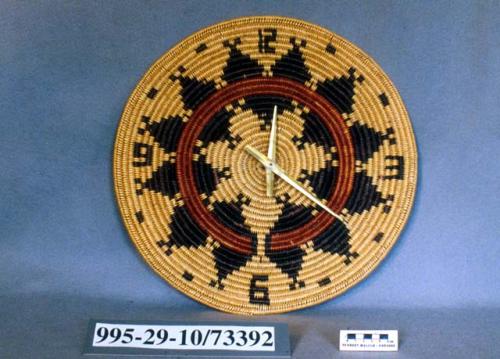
{"x":264,"y":164}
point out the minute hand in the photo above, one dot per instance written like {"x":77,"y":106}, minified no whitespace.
{"x":268,"y":164}
{"x":271,"y":154}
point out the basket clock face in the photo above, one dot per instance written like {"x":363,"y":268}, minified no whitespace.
{"x":264,"y":164}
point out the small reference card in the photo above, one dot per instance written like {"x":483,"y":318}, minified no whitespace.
{"x":232,"y":339}
{"x":368,"y":340}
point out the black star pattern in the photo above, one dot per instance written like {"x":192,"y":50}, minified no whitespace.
{"x":185,"y":232}
{"x":335,"y":240}
{"x":217,"y":128}
{"x":339,"y":91}
{"x":367,"y":141}
{"x":226,"y":262}
{"x":194,"y":91}
{"x":239,"y":66}
{"x":163,"y":180}
{"x":166,"y":132}
{"x":293,"y":65}
{"x":230,"y":214}
{"x":364,"y":194}
{"x":314,"y":132}
{"x":207,"y":177}
{"x":289,"y":261}
{"x":323,"y":182}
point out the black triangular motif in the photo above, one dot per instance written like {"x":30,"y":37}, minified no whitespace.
{"x":193,"y":91}
{"x":206,"y":177}
{"x":226,"y":262}
{"x":323,"y":181}
{"x":367,"y":141}
{"x":185,"y":231}
{"x":289,"y":261}
{"x":163,"y":180}
{"x":239,"y":66}
{"x":364,"y":194}
{"x":315,"y":131}
{"x":230,"y":214}
{"x":292,"y":65}
{"x":339,"y":91}
{"x":217,"y":128}
{"x":335,"y":239}
{"x":166,"y":132}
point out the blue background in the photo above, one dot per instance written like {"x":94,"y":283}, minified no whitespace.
{"x":67,"y":69}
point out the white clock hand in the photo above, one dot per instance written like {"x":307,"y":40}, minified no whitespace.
{"x":271,"y":154}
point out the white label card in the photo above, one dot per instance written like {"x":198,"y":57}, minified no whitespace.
{"x":184,"y":337}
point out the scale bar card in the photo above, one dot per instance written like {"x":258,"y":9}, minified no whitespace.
{"x":368,"y":340}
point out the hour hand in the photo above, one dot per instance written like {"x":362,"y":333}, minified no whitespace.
{"x":268,"y":164}
{"x":271,"y":154}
